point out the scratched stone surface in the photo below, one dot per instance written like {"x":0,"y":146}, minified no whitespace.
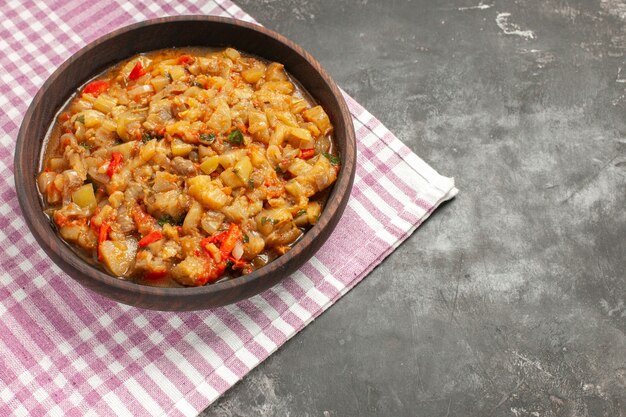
{"x":510,"y":300}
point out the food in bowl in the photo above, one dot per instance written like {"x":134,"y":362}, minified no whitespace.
{"x":188,"y":166}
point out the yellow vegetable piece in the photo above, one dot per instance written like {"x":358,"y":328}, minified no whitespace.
{"x":180,"y":148}
{"x":159,"y":82}
{"x":85,"y":197}
{"x":210,"y":164}
{"x":253,"y":74}
{"x":126,"y":149}
{"x":243,"y":168}
{"x":203,"y":189}
{"x":230,"y":179}
{"x":104,"y":103}
{"x":176,"y":72}
{"x":232,"y":54}
{"x":92,"y":118}
{"x":318,"y":116}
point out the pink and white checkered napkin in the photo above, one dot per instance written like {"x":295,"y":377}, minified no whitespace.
{"x":65,"y":351}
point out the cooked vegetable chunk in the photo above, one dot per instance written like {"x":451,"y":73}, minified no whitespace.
{"x":183,"y":167}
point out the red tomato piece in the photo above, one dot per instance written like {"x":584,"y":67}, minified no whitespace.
{"x":95,"y":88}
{"x":307,"y":153}
{"x":116,"y":160}
{"x":137,"y":71}
{"x":150,"y":238}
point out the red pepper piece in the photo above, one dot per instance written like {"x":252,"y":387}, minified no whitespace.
{"x":102,"y":237}
{"x":237,"y":263}
{"x":137,"y":71}
{"x":150,"y":238}
{"x":96,"y":88}
{"x":307,"y":153}
{"x":232,"y":236}
{"x":185,"y":59}
{"x":217,"y":239}
{"x":116,"y":160}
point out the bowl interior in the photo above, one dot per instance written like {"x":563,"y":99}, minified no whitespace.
{"x":167,"y":33}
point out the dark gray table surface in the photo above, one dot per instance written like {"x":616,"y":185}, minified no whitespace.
{"x":510,"y":300}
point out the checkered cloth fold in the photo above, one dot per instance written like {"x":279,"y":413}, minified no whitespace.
{"x":65,"y":351}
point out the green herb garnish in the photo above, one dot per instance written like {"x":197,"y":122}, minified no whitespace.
{"x":235,"y":137}
{"x":197,"y":84}
{"x":229,"y":264}
{"x":250,"y":183}
{"x":265,"y":220}
{"x":170,"y":220}
{"x":81,"y":119}
{"x":165,"y":220}
{"x":300,"y":213}
{"x":87,"y":146}
{"x":207,"y":138}
{"x":146,"y":137}
{"x":334,"y":160}
{"x":246,"y":238}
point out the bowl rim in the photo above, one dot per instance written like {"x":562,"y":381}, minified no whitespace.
{"x":64,"y":256}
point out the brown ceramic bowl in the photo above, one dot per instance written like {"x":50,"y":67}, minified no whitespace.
{"x":164,"y":33}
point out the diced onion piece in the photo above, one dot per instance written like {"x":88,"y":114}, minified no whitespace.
{"x":254,"y":246}
{"x":230,"y":179}
{"x":127,"y":124}
{"x":318,"y":116}
{"x":126,"y":149}
{"x":56,"y":164}
{"x":220,"y":120}
{"x":176,"y":72}
{"x":254,"y":73}
{"x":238,"y":250}
{"x":44,"y":180}
{"x":232,"y":54}
{"x":229,"y":159}
{"x":192,"y":219}
{"x":92,"y":118}
{"x":266,"y":220}
{"x":147,"y":151}
{"x":322,"y":145}
{"x":159,"y":82}
{"x":275,"y":72}
{"x":257,"y":121}
{"x":70,"y":232}
{"x":273,"y":154}
{"x":297,"y":105}
{"x":279,"y":134}
{"x":313,"y":212}
{"x":211,"y":221}
{"x":203,"y":189}
{"x":298,"y":167}
{"x":284,"y":87}
{"x":300,"y":138}
{"x":108,"y":125}
{"x":140,"y":90}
